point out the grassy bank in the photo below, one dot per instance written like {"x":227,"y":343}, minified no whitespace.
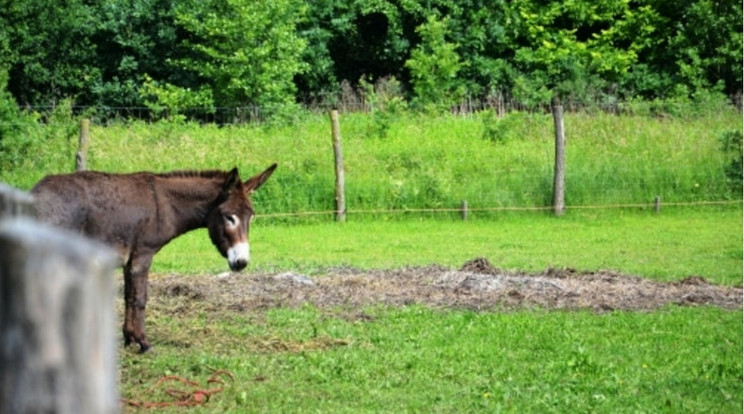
{"x":418,"y":161}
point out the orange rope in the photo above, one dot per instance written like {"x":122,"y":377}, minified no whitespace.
{"x":192,"y":395}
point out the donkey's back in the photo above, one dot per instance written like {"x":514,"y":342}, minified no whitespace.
{"x":108,"y":207}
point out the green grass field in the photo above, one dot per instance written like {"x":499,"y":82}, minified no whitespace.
{"x":419,"y":360}
{"x":677,"y":243}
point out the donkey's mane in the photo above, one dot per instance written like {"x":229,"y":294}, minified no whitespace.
{"x":194,"y":174}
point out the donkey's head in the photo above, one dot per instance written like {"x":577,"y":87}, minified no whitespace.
{"x":229,"y":220}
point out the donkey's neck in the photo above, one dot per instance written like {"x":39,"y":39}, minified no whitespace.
{"x":186,"y":201}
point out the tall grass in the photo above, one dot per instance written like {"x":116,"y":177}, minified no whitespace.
{"x":425,"y":161}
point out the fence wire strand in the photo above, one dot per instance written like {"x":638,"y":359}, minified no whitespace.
{"x":500,"y":209}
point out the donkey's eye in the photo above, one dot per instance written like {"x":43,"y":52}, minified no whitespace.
{"x":231,"y":219}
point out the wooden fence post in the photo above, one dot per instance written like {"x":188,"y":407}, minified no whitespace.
{"x":464,"y":210}
{"x":83,"y":141}
{"x":57,"y":333}
{"x":559,"y":204}
{"x":14,"y":202}
{"x":657,"y":204}
{"x":339,"y":161}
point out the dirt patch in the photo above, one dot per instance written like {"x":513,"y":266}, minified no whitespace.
{"x":477,"y":286}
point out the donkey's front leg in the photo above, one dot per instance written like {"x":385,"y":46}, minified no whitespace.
{"x":135,"y":301}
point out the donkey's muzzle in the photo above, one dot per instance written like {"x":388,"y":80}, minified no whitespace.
{"x":238,"y":256}
{"x":238,"y":265}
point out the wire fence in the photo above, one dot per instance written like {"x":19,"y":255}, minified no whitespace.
{"x":503,"y":196}
{"x":381,"y":99}
{"x":463,"y":213}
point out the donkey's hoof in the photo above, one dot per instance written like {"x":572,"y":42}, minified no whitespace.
{"x":144,"y":347}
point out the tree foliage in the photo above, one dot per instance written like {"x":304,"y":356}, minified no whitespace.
{"x":47,"y":50}
{"x":134,"y":40}
{"x":434,"y":64}
{"x":170,"y":53}
{"x":246,"y":52}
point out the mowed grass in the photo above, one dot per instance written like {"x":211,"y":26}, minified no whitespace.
{"x":677,"y":243}
{"x":420,"y":360}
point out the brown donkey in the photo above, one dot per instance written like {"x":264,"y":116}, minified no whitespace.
{"x":137,"y":214}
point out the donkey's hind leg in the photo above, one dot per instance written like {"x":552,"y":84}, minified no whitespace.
{"x":135,"y":301}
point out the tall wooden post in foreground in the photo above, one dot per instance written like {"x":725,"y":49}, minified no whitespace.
{"x":15,"y":203}
{"x":339,"y":161}
{"x":57,"y":333}
{"x":559,"y":176}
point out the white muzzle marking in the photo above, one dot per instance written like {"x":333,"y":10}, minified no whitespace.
{"x":239,"y":252}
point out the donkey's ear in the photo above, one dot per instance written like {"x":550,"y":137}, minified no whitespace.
{"x":257,"y":180}
{"x":232,"y":180}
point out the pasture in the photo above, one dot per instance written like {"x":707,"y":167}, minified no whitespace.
{"x":332,"y":317}
{"x":602,"y":310}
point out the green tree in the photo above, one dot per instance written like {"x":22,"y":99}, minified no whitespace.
{"x":231,"y":53}
{"x":18,"y":130}
{"x":570,"y":49}
{"x":349,"y":40}
{"x":247,"y":52}
{"x":696,"y":46}
{"x":133,"y":38}
{"x":485,"y":33}
{"x":434,"y":65}
{"x":47,"y":50}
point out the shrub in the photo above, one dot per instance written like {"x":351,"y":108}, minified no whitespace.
{"x":731,"y":145}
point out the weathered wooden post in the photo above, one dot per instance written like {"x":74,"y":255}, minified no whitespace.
{"x":559,"y":204}
{"x":657,"y":204}
{"x":83,"y":141}
{"x":14,"y":202}
{"x":464,"y":210}
{"x":339,"y":162}
{"x":57,"y":334}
